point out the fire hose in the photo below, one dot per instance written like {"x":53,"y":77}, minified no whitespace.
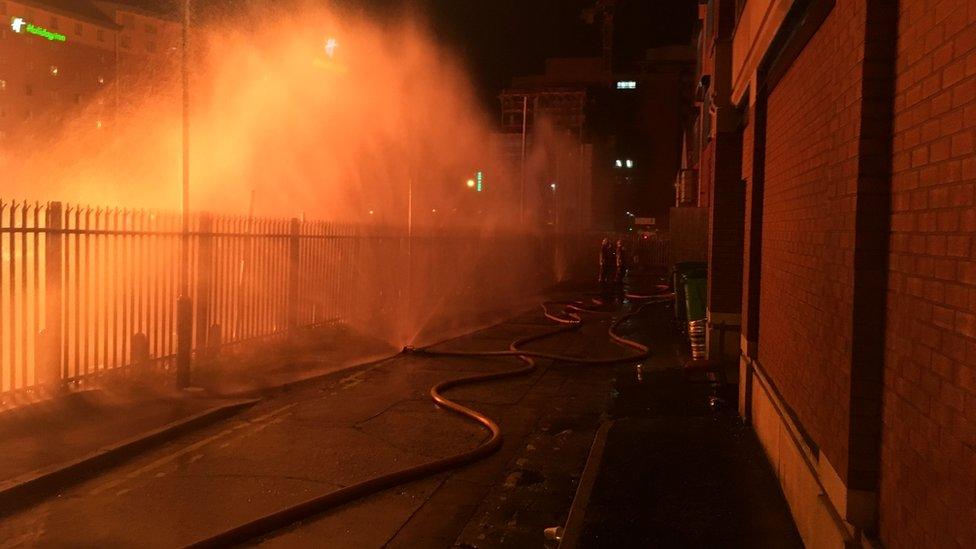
{"x":265,"y":525}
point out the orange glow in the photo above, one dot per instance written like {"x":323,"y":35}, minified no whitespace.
{"x":379,"y":137}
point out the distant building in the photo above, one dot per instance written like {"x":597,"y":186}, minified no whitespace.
{"x":58,"y":59}
{"x":628,"y":122}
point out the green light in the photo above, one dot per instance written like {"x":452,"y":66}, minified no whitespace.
{"x":480,"y":179}
{"x":44,"y":33}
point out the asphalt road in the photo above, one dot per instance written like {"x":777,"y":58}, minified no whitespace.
{"x":346,"y":428}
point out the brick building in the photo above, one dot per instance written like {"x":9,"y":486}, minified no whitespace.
{"x":839,"y":178}
{"x":75,"y":60}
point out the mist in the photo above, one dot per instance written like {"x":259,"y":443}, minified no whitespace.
{"x":317,"y":115}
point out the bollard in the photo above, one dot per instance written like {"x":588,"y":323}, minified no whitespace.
{"x":184,"y":339}
{"x":139,"y":350}
{"x":214,"y":340}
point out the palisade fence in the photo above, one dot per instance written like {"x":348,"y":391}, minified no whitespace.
{"x":86,"y":292}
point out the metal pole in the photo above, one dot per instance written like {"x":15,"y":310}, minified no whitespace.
{"x":184,"y":322}
{"x":525,"y":115}
{"x":410,"y":245}
{"x":579,"y":172}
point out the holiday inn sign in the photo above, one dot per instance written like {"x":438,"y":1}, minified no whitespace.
{"x":21,"y":26}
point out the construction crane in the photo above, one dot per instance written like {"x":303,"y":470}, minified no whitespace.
{"x":603,"y":10}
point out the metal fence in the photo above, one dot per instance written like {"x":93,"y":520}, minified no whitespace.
{"x":86,"y":292}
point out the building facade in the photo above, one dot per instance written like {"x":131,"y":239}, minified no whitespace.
{"x":628,"y":120}
{"x":840,"y":192}
{"x":76,"y":61}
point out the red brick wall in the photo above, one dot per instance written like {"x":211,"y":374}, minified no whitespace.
{"x":928,"y":463}
{"x":750,"y":255}
{"x":705,"y":175}
{"x":811,"y":168}
{"x":726,"y":217}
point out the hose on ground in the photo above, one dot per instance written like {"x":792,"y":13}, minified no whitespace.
{"x":263,"y":526}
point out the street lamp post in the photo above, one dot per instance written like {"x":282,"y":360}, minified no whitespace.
{"x":184,"y":308}
{"x":525,"y":119}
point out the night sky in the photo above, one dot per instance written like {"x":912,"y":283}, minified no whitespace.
{"x":498,"y":39}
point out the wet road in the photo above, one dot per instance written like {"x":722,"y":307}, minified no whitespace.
{"x":344,"y":429}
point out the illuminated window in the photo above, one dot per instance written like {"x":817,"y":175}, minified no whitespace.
{"x":55,"y":70}
{"x":626,"y":85}
{"x":101,"y":79}
{"x":3,"y":85}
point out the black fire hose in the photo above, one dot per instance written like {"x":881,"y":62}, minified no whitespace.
{"x":288,"y":516}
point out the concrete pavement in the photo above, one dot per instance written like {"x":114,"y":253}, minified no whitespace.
{"x":674,"y":473}
{"x":340,"y":430}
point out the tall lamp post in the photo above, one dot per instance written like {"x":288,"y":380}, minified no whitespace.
{"x":184,"y":308}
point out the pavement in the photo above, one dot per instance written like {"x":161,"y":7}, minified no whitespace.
{"x":346,"y":426}
{"x":673,"y":471}
{"x":341,"y":429}
{"x":48,"y":445}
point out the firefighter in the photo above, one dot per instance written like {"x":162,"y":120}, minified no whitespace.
{"x":622,"y":265}
{"x":608,"y":262}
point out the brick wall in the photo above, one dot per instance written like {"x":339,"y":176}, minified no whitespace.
{"x":725,"y":225}
{"x":705,"y":175}
{"x":809,"y":213}
{"x":928,"y":463}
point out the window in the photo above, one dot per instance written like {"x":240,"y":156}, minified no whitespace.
{"x":77,"y":99}
{"x":54,"y":23}
{"x":151,"y":47}
{"x":3,"y":8}
{"x":78,"y":29}
{"x":29,"y":90}
{"x":3,"y":85}
{"x":54,"y":70}
{"x":100,"y":35}
{"x":125,"y":41}
{"x":150,"y":29}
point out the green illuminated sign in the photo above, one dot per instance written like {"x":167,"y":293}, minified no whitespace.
{"x":480,"y":180}
{"x":20,"y":26}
